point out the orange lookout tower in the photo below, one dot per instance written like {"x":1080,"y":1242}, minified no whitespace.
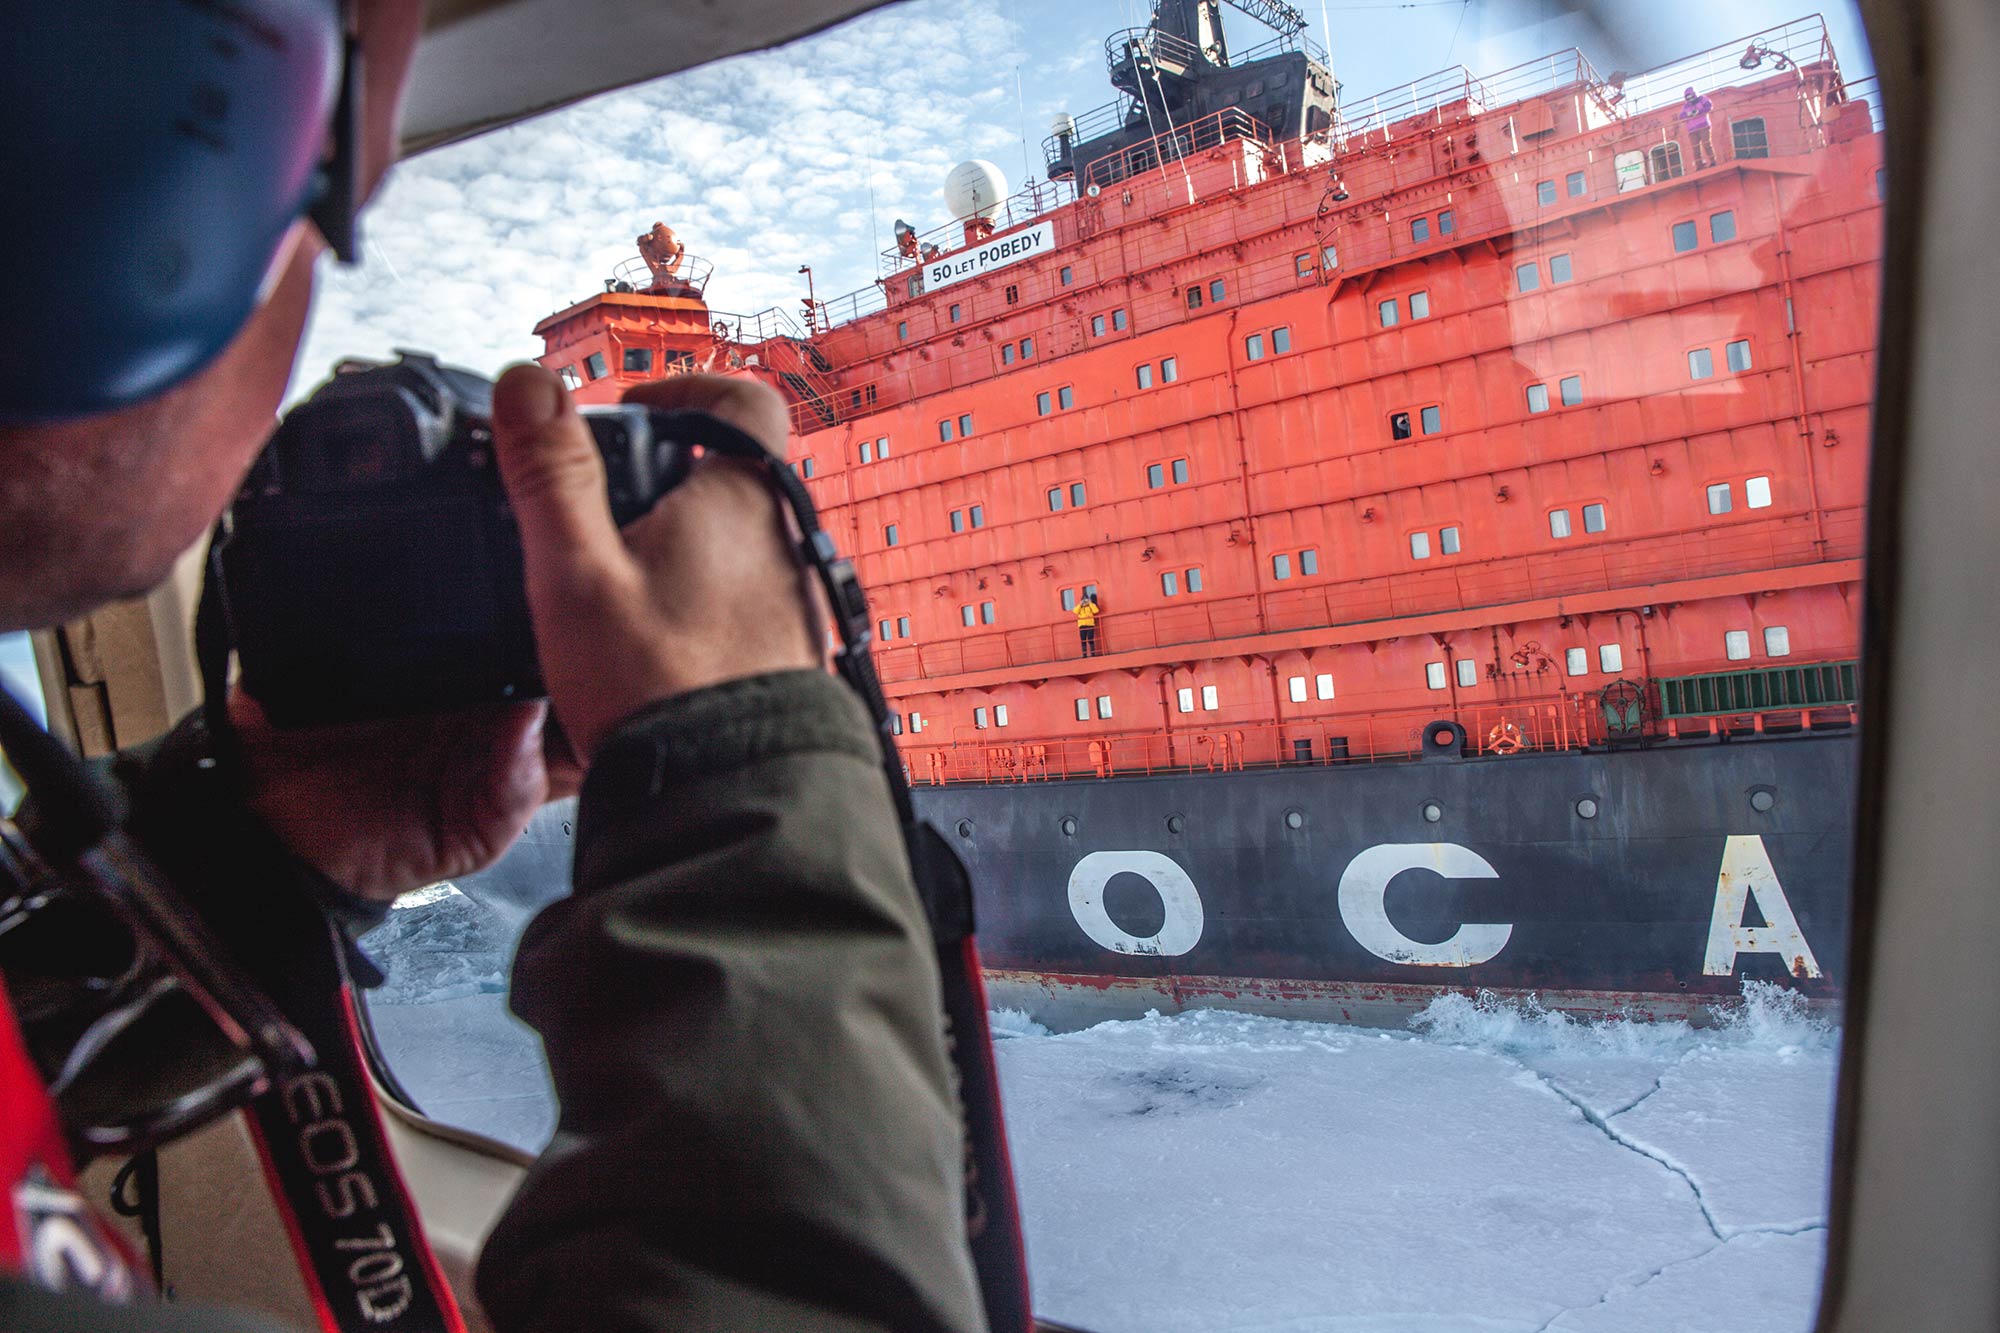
{"x":1461,"y":468}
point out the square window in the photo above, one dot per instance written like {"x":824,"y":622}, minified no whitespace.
{"x":1208,"y":698}
{"x":867,"y":451}
{"x":1083,"y":710}
{"x":979,"y":719}
{"x":1468,"y":673}
{"x":1302,"y":265}
{"x":1701,"y":363}
{"x":1180,"y":471}
{"x":1389,"y":311}
{"x":1736,"y":355}
{"x":570,"y":378}
{"x":1097,"y":325}
{"x":1042,"y":405}
{"x":1193,"y":580}
{"x":1559,"y":268}
{"x":1448,"y":541}
{"x":902,"y":329}
{"x":1577,"y":661}
{"x":1281,"y":341}
{"x":986,"y":613}
{"x":1184,"y":699}
{"x":1434,"y":675}
{"x":1216,"y":290}
{"x":1446,"y":222}
{"x":1572,"y":390}
{"x":1559,"y":523}
{"x":1777,"y":641}
{"x":1069,"y":599}
{"x":1104,"y":705}
{"x":1194,"y":298}
{"x":1323,"y":685}
{"x":889,"y":535}
{"x":806,"y":468}
{"x":1757,"y":492}
{"x":978,"y":516}
{"x":1420,"y":305}
{"x":1253,"y":347}
{"x":1748,"y":138}
{"x":1156,"y":476}
{"x":954,"y":313}
{"x":1527,"y":277}
{"x":965,"y":427}
{"x":1281,"y":566}
{"x":1118,"y":319}
{"x":1593,"y":518}
{"x":1610,"y":658}
{"x":902,"y":627}
{"x":1065,"y":397}
{"x":1309,"y":561}
{"x":1076,"y":494}
{"x":1686,"y":237}
{"x":1719,"y":501}
{"x":1722,"y":226}
{"x":1420,"y":546}
{"x":1538,"y":397}
{"x":593,"y":365}
{"x":999,"y":715}
{"x":1170,"y":370}
{"x":1432,"y":419}
{"x":1055,"y":499}
{"x":1736,"y":645}
{"x":1006,"y":354}
{"x":958,"y":520}
{"x":1067,"y":276}
{"x":1298,"y":689}
{"x":944,"y":430}
{"x":1399,"y":425}
{"x":1027,"y":348}
{"x":639,"y":360}
{"x":1170,"y":583}
{"x":1420,"y":230}
{"x":1146,"y":376}
{"x":1545,"y":192}
{"x":1575,"y":183}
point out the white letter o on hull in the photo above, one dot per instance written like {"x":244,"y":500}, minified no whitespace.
{"x":1181,"y":930}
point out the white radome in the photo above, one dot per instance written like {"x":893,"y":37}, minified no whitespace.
{"x":974,"y":189}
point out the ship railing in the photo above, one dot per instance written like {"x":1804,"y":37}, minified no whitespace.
{"x":1869,"y":91}
{"x":1024,"y":205}
{"x":775,"y":322}
{"x":1377,"y":114}
{"x":636,"y":275}
{"x":1802,"y":43}
{"x":1180,"y":141}
{"x":1278,"y":45}
{"x":1156,"y":48}
{"x":1554,"y":72}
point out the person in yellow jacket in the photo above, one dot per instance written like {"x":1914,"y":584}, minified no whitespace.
{"x":1086,"y":624}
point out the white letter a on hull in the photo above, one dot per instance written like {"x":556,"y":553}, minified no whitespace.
{"x":1746,"y":871}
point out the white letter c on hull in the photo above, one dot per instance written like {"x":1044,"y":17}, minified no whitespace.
{"x":1366,"y":880}
{"x":1180,"y":931}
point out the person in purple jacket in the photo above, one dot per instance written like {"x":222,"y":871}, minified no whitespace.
{"x":1695,"y":109}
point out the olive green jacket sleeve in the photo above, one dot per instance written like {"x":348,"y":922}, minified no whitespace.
{"x":740,"y":1006}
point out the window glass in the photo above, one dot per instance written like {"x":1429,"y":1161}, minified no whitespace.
{"x":958,"y":520}
{"x":986,"y":613}
{"x":1433,"y":420}
{"x":1559,"y":269}
{"x":1757,"y":492}
{"x":1572,"y":390}
{"x":1399,"y":426}
{"x":1076,"y":494}
{"x":1559,"y":523}
{"x":1722,"y":226}
{"x":1718,"y":498}
{"x":1736,"y":645}
{"x":1216,"y":290}
{"x":1097,"y":324}
{"x":1208,"y":698}
{"x":1281,"y":340}
{"x":954,"y":314}
{"x":1468,"y":673}
{"x":1083,"y":710}
{"x":1545,"y":192}
{"x":1193,"y":580}
{"x":1538,"y":397}
{"x":1194,"y":298}
{"x":1146,"y":376}
{"x":1067,"y":276}
{"x":944,"y":430}
{"x":867,"y":451}
{"x":1184,"y":699}
{"x":1302,"y":265}
{"x":902,"y":328}
{"x":1253,"y":347}
{"x":1156,"y":476}
{"x":1118,"y":319}
{"x":881,"y":448}
{"x":570,"y":377}
{"x":1736,"y":355}
{"x":1069,"y":599}
{"x":1055,"y":499}
{"x":1104,"y":705}
{"x":1420,"y":545}
{"x":916,"y":722}
{"x":896,"y":724}
{"x":1389,"y":311}
{"x":1434,"y":675}
{"x":979,"y":719}
{"x":999,"y":715}
{"x":1329,"y":258}
{"x":882,"y":629}
{"x":639,"y":360}
{"x":1610,"y":658}
{"x":965,"y":426}
{"x":1576,"y":661}
{"x":978,"y":516}
{"x":1420,"y":230}
{"x":1777,"y":641}
{"x":889,"y":535}
{"x":969,"y":616}
{"x":1447,"y":222}
{"x":1701,"y":363}
{"x":902,"y":627}
{"x":1006,"y":354}
{"x":806,"y":467}
{"x":1665,"y":162}
{"x":1323,"y":685}
{"x":1170,"y":370}
{"x":593,"y":365}
{"x":1527,"y":277}
{"x":1027,"y":347}
{"x":1747,"y":137}
{"x":1685,"y":237}
{"x":1593,"y":518}
{"x":1065,"y":397}
{"x":1170,"y":583}
{"x":1297,"y":687}
{"x":1448,"y":541}
{"x":1309,"y":561}
{"x":1180,"y":470}
{"x":1575,"y":182}
{"x":1420,"y":305}
{"x":1281,"y":566}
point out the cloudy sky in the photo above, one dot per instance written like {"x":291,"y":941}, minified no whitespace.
{"x":808,"y":154}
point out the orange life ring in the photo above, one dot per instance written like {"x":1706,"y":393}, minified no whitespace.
{"x":1505,"y":738}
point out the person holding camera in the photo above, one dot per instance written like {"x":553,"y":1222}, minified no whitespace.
{"x":739,"y":1002}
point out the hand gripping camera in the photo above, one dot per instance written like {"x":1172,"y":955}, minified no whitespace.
{"x":371,"y":567}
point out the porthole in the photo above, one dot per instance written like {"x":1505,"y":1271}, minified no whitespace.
{"x":1433,"y":812}
{"x":1295,"y":819}
{"x":1068,"y":826}
{"x":965,"y":828}
{"x":1587,"y":808}
{"x":1176,"y":823}
{"x":1762,"y":799}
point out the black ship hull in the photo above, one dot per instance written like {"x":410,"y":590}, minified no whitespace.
{"x":1649,"y":882}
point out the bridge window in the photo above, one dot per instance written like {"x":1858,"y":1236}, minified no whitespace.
{"x":1067,"y":275}
{"x":1145,"y":373}
{"x":902,"y":329}
{"x":1572,"y":390}
{"x":1527,"y":277}
{"x":639,"y":360}
{"x":1610,"y":658}
{"x":1118,"y":319}
{"x":1420,"y":546}
{"x":1575,"y":182}
{"x":1209,"y":700}
{"x":1184,"y":699}
{"x":1194,"y":297}
{"x":1013,"y":294}
{"x":1447,"y":222}
{"x":1538,"y":398}
{"x":1216,"y":290}
{"x":1719,"y":501}
{"x":1777,"y":641}
{"x":1006,"y":354}
{"x":1757,"y":492}
{"x":1420,"y":305}
{"x":1432,"y":419}
{"x":1576,"y":661}
{"x":1390,"y":312}
{"x":1297,"y":685}
{"x":570,"y":378}
{"x":1736,"y":355}
{"x":1027,"y":348}
{"x":1701,"y":363}
{"x":1686,"y":237}
{"x":1736,"y":645}
{"x":1303,"y":265}
{"x":1664,"y":163}
{"x":1104,"y":705}
{"x":1170,"y":370}
{"x":914,"y":284}
{"x":1559,"y":268}
{"x":1309,"y":561}
{"x":1329,"y":258}
{"x":1545,"y":193}
{"x":1748,"y":138}
{"x":1281,"y":566}
{"x":1448,"y":541}
{"x":954,"y":312}
{"x":1097,"y":325}
{"x":1559,"y":523}
{"x":1434,"y":675}
{"x":593,"y":365}
{"x":1722,"y":226}
{"x":1468,"y":673}
{"x":1593,"y":518}
{"x":1323,"y":685}
{"x":1253,"y":347}
{"x":1420,"y":230}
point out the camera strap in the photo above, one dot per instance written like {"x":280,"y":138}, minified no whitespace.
{"x":993,"y":1219}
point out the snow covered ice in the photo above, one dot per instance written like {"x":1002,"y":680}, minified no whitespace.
{"x":1494,"y":1168}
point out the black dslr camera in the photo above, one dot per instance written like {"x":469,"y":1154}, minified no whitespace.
{"x":371,"y":567}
